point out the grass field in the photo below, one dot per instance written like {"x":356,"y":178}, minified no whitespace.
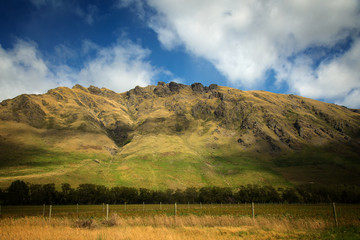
{"x":194,"y":221}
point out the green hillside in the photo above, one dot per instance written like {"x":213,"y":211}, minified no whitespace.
{"x":176,"y":136}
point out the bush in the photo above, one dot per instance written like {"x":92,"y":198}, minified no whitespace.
{"x":89,"y":223}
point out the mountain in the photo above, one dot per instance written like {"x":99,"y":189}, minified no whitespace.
{"x":176,"y":136}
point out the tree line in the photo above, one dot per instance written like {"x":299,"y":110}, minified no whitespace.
{"x":20,"y":193}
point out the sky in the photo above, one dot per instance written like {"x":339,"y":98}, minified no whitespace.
{"x":309,"y":48}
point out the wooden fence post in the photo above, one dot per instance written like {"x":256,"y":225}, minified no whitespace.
{"x":107,"y":212}
{"x":253,"y":210}
{"x":175,"y":209}
{"x":160,"y":206}
{"x":335,"y":217}
{"x":125,"y":206}
{"x":50,"y":209}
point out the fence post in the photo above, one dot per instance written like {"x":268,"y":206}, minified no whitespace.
{"x":175,"y":209}
{"x":335,"y":217}
{"x":103,"y":207}
{"x":160,"y":206}
{"x":107,"y":212}
{"x":50,"y":212}
{"x":188,"y":206}
{"x":253,"y":210}
{"x":125,"y":206}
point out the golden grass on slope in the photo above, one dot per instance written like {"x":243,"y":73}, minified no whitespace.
{"x":162,"y":227}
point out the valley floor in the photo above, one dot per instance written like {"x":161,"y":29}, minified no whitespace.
{"x":182,"y":227}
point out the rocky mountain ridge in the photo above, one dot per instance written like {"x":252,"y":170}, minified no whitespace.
{"x":207,"y":120}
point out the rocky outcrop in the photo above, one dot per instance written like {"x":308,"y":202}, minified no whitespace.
{"x":78,"y":86}
{"x":221,"y":110}
{"x":213,"y":87}
{"x":197,"y":87}
{"x":201,"y":110}
{"x":95,"y":90}
{"x":299,"y":128}
{"x":215,"y":94}
{"x":162,"y":90}
{"x":174,"y":87}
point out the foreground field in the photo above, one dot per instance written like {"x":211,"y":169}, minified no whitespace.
{"x":194,"y":221}
{"x":168,"y":227}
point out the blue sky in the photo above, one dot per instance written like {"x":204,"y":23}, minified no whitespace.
{"x":303,"y":47}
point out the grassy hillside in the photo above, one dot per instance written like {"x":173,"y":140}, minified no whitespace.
{"x":175,"y":136}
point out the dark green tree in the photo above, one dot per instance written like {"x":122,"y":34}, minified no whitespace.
{"x":191,"y":195}
{"x":145,"y":195}
{"x":18,"y":193}
{"x":67,"y":194}
{"x":290,"y":195}
{"x":50,"y":193}
{"x":37,"y":195}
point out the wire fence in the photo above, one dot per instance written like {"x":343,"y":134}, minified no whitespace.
{"x":340,"y":213}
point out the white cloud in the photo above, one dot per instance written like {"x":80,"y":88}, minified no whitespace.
{"x":337,"y":80}
{"x":351,"y":100}
{"x":22,"y":70}
{"x":119,"y":67}
{"x":244,"y":39}
{"x":136,"y":5}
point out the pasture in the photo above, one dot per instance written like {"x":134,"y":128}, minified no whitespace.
{"x":192,"y":221}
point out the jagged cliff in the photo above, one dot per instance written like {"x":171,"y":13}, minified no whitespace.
{"x":173,"y":135}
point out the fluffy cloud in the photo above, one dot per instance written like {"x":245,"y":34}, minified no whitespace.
{"x":245,"y":39}
{"x":119,"y":67}
{"x":23,"y":70}
{"x":337,"y":79}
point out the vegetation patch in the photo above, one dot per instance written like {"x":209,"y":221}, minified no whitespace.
{"x":89,"y":223}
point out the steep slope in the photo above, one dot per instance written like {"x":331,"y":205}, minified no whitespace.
{"x":173,"y":135}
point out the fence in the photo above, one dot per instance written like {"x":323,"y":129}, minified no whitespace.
{"x":328,"y":211}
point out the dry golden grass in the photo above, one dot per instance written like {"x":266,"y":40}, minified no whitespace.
{"x":161,"y":227}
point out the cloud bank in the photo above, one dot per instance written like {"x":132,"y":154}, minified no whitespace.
{"x":119,"y":67}
{"x":245,"y":39}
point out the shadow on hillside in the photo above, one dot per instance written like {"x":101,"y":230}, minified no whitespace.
{"x":12,"y":154}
